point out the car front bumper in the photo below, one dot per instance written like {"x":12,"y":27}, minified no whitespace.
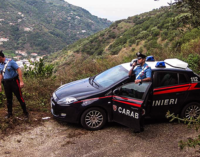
{"x":64,"y":113}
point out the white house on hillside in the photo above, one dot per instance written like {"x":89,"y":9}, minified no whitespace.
{"x":34,"y":54}
{"x":23,"y":53}
{"x":4,"y":39}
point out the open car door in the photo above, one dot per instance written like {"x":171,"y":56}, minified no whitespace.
{"x":129,"y":102}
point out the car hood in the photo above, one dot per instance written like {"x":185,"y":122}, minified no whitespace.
{"x":75,"y":89}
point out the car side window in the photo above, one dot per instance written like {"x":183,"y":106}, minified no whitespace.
{"x":182,"y":79}
{"x":133,"y":90}
{"x":166,"y":79}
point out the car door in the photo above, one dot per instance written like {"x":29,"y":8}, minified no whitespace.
{"x":128,"y":103}
{"x":170,"y":91}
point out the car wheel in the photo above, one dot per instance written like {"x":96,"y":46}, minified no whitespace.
{"x":191,"y":110}
{"x":93,"y":119}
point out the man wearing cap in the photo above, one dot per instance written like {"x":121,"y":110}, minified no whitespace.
{"x":143,"y":71}
{"x":142,"y":74}
{"x":11,"y":77}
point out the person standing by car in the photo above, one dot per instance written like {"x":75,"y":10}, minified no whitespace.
{"x":142,"y":71}
{"x":11,"y":77}
{"x":142,"y":74}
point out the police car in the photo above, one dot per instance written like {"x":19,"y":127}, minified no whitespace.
{"x":112,"y":96}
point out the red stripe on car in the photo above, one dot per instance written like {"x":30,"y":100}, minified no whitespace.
{"x":128,"y":99}
{"x":179,"y":86}
{"x":132,"y":104}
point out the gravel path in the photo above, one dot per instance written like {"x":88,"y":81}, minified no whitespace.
{"x":55,"y":139}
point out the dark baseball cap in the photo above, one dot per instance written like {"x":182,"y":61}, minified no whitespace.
{"x":140,"y":55}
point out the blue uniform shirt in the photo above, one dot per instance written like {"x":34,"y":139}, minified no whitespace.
{"x":145,"y":74}
{"x":11,"y":68}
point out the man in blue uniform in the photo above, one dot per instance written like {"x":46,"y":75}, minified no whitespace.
{"x":11,"y":77}
{"x":142,"y":71}
{"x":142,"y":74}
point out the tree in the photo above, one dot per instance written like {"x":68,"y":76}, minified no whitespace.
{"x":189,"y":12}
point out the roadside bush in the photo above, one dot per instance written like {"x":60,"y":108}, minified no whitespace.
{"x":191,"y":123}
{"x":38,"y":69}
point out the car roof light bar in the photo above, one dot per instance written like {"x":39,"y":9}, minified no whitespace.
{"x":160,"y":64}
{"x":150,"y":58}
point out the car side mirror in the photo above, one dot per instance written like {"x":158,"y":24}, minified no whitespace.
{"x":116,"y":91}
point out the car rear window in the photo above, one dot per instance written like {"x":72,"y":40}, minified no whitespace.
{"x":167,"y":79}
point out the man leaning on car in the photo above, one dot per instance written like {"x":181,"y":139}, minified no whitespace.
{"x":142,"y":71}
{"x":142,"y":74}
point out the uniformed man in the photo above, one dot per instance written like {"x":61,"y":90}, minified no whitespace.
{"x":142,"y":71}
{"x":142,"y":74}
{"x":11,"y":77}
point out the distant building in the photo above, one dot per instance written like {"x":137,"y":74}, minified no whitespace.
{"x":17,"y":57}
{"x":83,"y":31}
{"x":1,"y":43}
{"x":34,"y":54}
{"x":38,"y":58}
{"x":28,"y":29}
{"x":32,"y":59}
{"x":1,"y":19}
{"x":3,"y":39}
{"x":23,"y":53}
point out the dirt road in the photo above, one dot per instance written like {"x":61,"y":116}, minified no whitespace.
{"x":54,"y":139}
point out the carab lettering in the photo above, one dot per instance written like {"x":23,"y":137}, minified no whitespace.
{"x":128,"y":112}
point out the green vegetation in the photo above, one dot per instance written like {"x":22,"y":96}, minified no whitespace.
{"x":191,"y":123}
{"x":38,"y":69}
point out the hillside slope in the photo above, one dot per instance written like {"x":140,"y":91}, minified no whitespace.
{"x":152,"y":33}
{"x":44,"y":26}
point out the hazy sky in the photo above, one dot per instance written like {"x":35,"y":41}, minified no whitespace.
{"x":118,"y":9}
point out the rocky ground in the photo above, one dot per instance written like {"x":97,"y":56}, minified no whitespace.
{"x":54,"y":139}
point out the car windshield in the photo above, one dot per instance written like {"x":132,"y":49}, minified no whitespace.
{"x":111,"y":76}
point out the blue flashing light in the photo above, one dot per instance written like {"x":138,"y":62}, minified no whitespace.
{"x":160,"y":64}
{"x":150,"y":58}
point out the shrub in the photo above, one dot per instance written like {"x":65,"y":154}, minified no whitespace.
{"x":38,"y":69}
{"x":156,"y":33}
{"x":116,"y":50}
{"x":142,"y":35}
{"x":133,"y":49}
{"x":132,"y":41}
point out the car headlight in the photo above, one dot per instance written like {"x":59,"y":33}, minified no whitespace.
{"x":54,"y":96}
{"x":67,"y":100}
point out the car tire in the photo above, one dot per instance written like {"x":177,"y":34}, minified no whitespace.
{"x":93,"y":119}
{"x":191,"y":110}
